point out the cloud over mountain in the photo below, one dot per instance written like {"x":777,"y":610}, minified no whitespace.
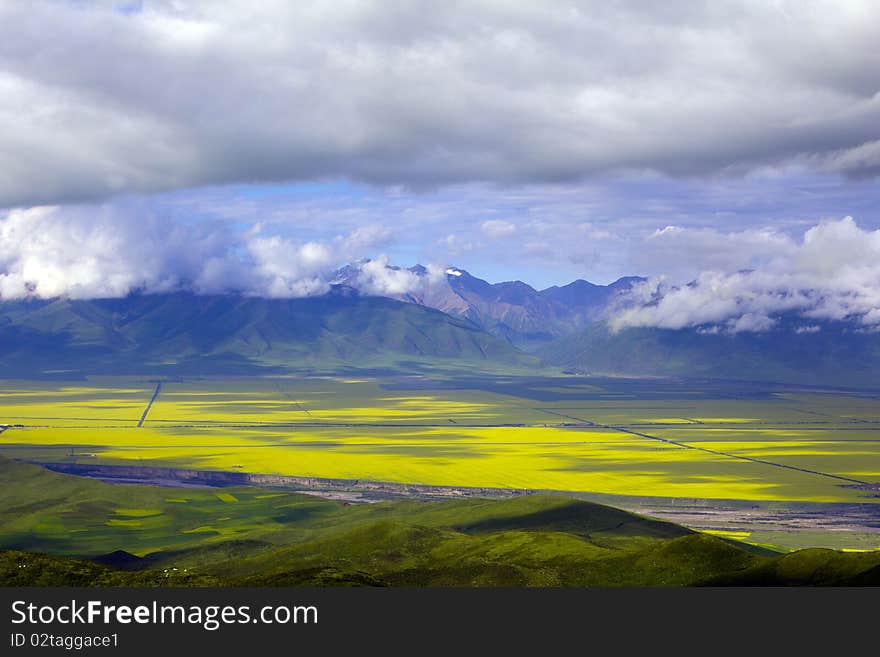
{"x":98,"y":251}
{"x":833,"y":273}
{"x":747,"y":279}
{"x":106,"y":97}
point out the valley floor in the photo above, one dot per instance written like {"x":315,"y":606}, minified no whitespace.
{"x":786,"y":466}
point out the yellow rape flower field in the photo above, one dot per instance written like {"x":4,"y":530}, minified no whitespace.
{"x":562,"y":435}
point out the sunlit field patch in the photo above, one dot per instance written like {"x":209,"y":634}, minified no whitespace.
{"x":46,"y":404}
{"x":726,"y":420}
{"x":738,"y":536}
{"x":137,"y":513}
{"x":124,"y":522}
{"x":626,"y":469}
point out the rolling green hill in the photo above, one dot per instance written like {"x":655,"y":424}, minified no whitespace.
{"x":236,"y":334}
{"x":63,"y":530}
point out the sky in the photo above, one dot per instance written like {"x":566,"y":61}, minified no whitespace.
{"x":232,"y":145}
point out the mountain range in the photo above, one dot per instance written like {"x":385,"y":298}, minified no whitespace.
{"x":455,"y":319}
{"x":512,"y":310}
{"x":226,"y":334}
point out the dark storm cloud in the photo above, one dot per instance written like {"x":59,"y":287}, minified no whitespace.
{"x":99,"y":100}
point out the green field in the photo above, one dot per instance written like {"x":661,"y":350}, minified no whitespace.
{"x":603,"y":436}
{"x":148,"y":535}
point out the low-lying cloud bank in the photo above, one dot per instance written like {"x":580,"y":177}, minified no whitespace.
{"x":833,"y":273}
{"x":747,"y":280}
{"x":81,"y":253}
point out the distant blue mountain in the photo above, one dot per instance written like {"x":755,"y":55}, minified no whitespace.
{"x":460,"y":321}
{"x":838,"y":353}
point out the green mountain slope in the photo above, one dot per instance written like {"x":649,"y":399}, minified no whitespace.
{"x":236,"y":334}
{"x":146,"y":535}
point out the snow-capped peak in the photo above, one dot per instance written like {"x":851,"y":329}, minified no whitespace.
{"x":453,"y":272}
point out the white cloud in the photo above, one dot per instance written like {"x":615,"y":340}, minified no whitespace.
{"x":863,"y":159}
{"x":833,"y":273}
{"x":679,"y":251}
{"x":498,"y":228}
{"x":455,"y":244}
{"x":98,"y":251}
{"x":378,"y":278}
{"x":287,"y":269}
{"x":366,"y":237}
{"x":43,"y":254}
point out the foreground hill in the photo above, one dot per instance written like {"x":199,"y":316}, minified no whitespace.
{"x":63,"y":530}
{"x":837,"y":354}
{"x":236,"y":334}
